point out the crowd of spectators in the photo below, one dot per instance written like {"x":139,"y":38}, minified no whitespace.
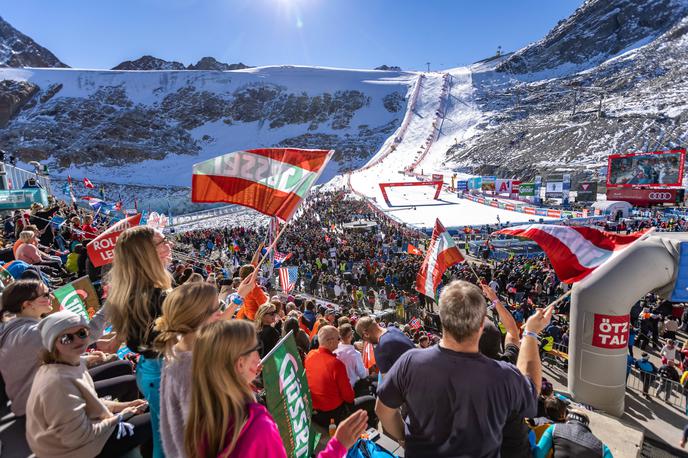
{"x":462,"y":376}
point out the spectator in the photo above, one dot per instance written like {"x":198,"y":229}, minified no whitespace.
{"x":328,"y":380}
{"x":572,"y":438}
{"x":221,"y":393}
{"x":439,"y":425}
{"x":390,"y":343}
{"x":301,"y":338}
{"x":184,"y":311}
{"x":669,"y":351}
{"x":254,"y":299}
{"x":647,"y":371}
{"x":20,"y":340}
{"x":65,"y":417}
{"x":139,"y":284}
{"x":268,"y":336}
{"x":347,"y":354}
{"x":667,"y":374}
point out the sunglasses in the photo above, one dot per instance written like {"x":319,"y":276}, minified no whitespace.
{"x":47,"y":295}
{"x":258,"y":348}
{"x":66,"y":339}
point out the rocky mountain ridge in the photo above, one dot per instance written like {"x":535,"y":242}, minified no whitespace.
{"x":18,"y":50}
{"x":153,"y":63}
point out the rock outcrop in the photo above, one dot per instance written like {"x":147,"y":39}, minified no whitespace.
{"x":18,"y":50}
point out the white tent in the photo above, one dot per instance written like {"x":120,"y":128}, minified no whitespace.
{"x":613,"y":207}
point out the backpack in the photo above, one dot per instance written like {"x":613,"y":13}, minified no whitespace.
{"x":365,"y":448}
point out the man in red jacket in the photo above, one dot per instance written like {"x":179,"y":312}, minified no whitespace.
{"x":327,"y":379}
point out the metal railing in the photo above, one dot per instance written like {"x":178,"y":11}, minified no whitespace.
{"x":15,"y":178}
{"x":671,"y":392}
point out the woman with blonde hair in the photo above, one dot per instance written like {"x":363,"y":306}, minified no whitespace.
{"x":138,"y":284}
{"x":225,"y":419}
{"x":265,"y":327}
{"x":184,"y":311}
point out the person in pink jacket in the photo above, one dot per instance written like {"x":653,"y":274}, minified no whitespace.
{"x":224,"y":418}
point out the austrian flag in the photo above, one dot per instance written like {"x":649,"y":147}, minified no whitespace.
{"x":573,"y":251}
{"x":442,"y":254}
{"x":272,"y":180}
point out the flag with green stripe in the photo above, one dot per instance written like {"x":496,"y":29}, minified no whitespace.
{"x":288,"y":398}
{"x":69,"y":299}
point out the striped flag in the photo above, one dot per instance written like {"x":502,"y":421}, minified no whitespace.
{"x":442,"y":254}
{"x":281,"y":257}
{"x":573,"y":251}
{"x":287,"y":277}
{"x":272,"y":180}
{"x":368,"y":355}
{"x":410,"y":249}
{"x":415,"y":323}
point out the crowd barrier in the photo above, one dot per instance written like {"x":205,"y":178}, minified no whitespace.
{"x":665,"y":390}
{"x":530,"y":210}
{"x":194,"y":217}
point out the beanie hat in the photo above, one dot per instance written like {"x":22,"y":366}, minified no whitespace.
{"x":55,"y":324}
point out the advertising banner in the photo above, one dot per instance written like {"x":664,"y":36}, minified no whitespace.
{"x":645,"y":197}
{"x":489,"y":183}
{"x":503,"y":186}
{"x":462,"y":185}
{"x":586,"y":191}
{"x":537,"y":200}
{"x":526,"y":189}
{"x":610,"y":331}
{"x":78,"y":296}
{"x":658,"y":168}
{"x":437,"y":177}
{"x":22,"y":198}
{"x":475,"y":183}
{"x":101,"y":250}
{"x":554,"y":189}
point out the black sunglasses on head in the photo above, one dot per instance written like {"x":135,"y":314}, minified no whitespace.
{"x":66,"y":339}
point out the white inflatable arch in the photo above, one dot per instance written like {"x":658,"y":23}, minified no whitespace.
{"x":600,"y":317}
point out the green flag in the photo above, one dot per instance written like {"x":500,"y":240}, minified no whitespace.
{"x":70,"y":300}
{"x":288,"y":398}
{"x":5,"y":277}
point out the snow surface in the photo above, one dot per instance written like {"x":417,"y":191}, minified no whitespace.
{"x":149,"y":88}
{"x":444,"y":112}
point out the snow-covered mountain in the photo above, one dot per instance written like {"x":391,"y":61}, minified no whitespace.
{"x":608,"y":79}
{"x":153,"y":63}
{"x":149,"y":127}
{"x":18,"y":50}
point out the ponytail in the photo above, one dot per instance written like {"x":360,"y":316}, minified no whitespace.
{"x":184,"y":310}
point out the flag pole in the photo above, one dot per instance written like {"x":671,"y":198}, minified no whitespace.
{"x":272,"y":246}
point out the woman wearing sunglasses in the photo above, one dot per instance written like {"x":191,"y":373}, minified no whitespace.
{"x":224,"y":418}
{"x":65,"y":416}
{"x":268,"y":335}
{"x":20,"y":340}
{"x":139,"y":283}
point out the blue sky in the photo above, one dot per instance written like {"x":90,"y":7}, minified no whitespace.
{"x":336,"y":33}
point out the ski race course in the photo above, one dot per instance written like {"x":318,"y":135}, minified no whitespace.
{"x":440,"y":111}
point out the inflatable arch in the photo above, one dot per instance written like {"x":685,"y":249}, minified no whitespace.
{"x":600,"y":317}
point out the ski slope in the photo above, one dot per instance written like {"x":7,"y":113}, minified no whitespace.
{"x":415,"y":206}
{"x":442,"y":113}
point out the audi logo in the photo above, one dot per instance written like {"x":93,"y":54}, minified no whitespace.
{"x":659,"y":196}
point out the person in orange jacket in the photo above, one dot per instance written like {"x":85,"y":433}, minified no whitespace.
{"x":255,"y":298}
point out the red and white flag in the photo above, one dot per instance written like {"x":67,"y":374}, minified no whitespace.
{"x":410,"y":249}
{"x":442,"y":254}
{"x":88,"y":183}
{"x":271,"y":180}
{"x":574,"y":251}
{"x":101,"y":250}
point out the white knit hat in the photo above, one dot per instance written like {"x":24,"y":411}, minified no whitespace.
{"x":56,"y":323}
